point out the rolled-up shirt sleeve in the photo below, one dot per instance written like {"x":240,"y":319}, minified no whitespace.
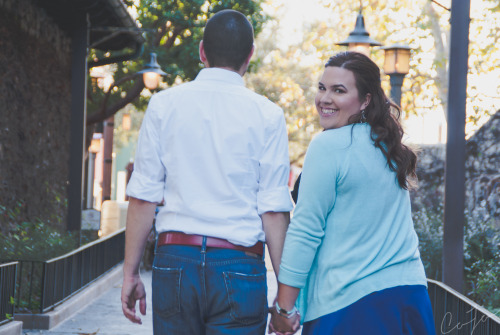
{"x":274,"y":171}
{"x":148,"y":178}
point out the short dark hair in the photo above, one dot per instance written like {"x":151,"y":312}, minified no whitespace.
{"x":228,"y":39}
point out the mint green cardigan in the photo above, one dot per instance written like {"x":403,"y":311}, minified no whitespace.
{"x":351,"y":233}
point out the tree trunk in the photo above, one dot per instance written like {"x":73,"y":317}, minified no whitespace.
{"x":441,"y":55}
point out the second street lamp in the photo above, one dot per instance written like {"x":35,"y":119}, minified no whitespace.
{"x":397,"y":66}
{"x":151,"y":73}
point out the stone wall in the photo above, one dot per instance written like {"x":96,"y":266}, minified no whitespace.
{"x":482,"y":171}
{"x":482,"y":174}
{"x":35,"y":73}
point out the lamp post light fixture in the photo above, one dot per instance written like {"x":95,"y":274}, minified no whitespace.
{"x":126,"y":121}
{"x":151,"y":73}
{"x":359,"y":39}
{"x":95,"y":143}
{"x":397,"y":66}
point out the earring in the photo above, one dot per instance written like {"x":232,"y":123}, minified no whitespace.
{"x":362,"y":119}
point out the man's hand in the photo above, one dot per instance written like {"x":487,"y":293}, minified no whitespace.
{"x":133,"y":290}
{"x":281,"y":325}
{"x":140,"y":217}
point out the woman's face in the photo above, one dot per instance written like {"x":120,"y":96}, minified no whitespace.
{"x":337,"y":98}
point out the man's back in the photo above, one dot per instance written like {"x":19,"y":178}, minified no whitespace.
{"x":219,"y":144}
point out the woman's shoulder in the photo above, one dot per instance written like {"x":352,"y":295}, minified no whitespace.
{"x":341,"y":138}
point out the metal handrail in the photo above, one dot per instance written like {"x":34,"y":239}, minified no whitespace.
{"x":87,"y":246}
{"x":68,"y":274}
{"x":8,"y":273}
{"x":41,"y":285}
{"x":455,"y":314}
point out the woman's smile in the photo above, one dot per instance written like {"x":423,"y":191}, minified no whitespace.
{"x":337,"y":98}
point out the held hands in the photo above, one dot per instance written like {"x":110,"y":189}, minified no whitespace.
{"x":283,"y":325}
{"x":133,"y":290}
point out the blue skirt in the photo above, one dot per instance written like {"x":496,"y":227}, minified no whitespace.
{"x":393,"y":311}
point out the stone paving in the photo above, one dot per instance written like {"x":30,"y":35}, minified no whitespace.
{"x":104,"y":315}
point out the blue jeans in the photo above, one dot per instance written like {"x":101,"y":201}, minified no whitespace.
{"x":199,"y":290}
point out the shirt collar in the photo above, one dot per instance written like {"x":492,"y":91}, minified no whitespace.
{"x":219,"y":74}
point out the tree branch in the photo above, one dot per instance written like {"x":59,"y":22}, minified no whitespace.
{"x":105,"y":111}
{"x":171,"y":39}
{"x":440,"y":57}
{"x":159,"y":35}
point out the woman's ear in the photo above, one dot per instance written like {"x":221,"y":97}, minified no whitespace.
{"x":368,"y":98}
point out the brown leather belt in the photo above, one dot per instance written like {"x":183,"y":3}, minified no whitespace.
{"x":179,"y":238}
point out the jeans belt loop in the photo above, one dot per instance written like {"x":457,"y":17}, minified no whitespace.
{"x":204,"y":245}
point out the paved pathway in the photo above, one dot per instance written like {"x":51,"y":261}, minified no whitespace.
{"x":104,"y":315}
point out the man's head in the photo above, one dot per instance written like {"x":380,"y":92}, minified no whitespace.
{"x":227,"y":40}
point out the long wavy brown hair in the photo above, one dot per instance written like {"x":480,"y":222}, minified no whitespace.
{"x":381,"y":113}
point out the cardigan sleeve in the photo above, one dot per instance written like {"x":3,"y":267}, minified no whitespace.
{"x":317,"y":197}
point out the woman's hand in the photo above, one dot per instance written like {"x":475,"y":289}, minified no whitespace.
{"x":282,"y":325}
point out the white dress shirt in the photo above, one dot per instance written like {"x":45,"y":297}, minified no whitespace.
{"x":217,"y":153}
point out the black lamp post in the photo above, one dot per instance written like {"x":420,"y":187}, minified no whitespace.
{"x":151,"y":73}
{"x":397,"y":65}
{"x":359,"y":39}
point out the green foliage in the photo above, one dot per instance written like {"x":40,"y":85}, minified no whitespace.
{"x":429,"y":227}
{"x":10,"y":214}
{"x":483,"y":283}
{"x":9,"y":316}
{"x":33,"y":242}
{"x":482,"y":263}
{"x":173,"y":30}
{"x":178,"y":28}
{"x":481,"y":255}
{"x":36,"y":241}
{"x":50,"y":206}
